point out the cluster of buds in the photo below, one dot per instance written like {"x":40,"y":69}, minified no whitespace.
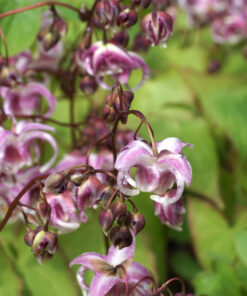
{"x":117,"y":103}
{"x":227,"y":18}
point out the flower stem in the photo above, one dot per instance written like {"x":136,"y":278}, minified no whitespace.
{"x":5,"y":45}
{"x":37,"y":5}
{"x":18,"y":197}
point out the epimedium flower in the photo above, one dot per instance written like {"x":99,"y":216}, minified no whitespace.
{"x":64,"y":215}
{"x":109,"y":275}
{"x":157,"y":27}
{"x":171,"y":214}
{"x":101,"y":60}
{"x":25,"y":99}
{"x":155,"y":174}
{"x":16,"y":144}
{"x":229,"y":29}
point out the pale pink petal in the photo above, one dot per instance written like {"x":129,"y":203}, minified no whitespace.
{"x":172,"y":144}
{"x":101,"y":285}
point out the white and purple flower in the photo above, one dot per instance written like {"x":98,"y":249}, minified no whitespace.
{"x":109,"y":276}
{"x":16,"y":146}
{"x":101,"y":60}
{"x":156,"y":174}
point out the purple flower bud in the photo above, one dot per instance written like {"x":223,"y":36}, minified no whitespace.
{"x":158,"y":27}
{"x":56,"y":183}
{"x":42,"y":209}
{"x":109,"y":113}
{"x":103,"y":193}
{"x":118,"y":209}
{"x":121,"y":237}
{"x":88,"y":85}
{"x":124,"y":220}
{"x":107,"y":12}
{"x":30,"y":235}
{"x":84,"y":13}
{"x":127,"y":18}
{"x":141,"y":3}
{"x":141,"y":44}
{"x":48,"y":39}
{"x":44,"y":245}
{"x":106,"y":219}
{"x":121,"y":38}
{"x":137,"y":222}
{"x":214,"y":66}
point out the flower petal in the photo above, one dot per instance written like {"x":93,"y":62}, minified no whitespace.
{"x":172,"y":144}
{"x":101,"y":285}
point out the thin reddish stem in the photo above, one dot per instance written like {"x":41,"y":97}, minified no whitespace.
{"x":165,"y":286}
{"x":5,"y":45}
{"x":142,"y":280}
{"x":18,"y":197}
{"x":37,"y":5}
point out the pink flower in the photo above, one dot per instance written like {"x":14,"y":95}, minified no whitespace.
{"x":155,"y":174}
{"x":64,"y":212}
{"x":25,"y":99}
{"x":108,"y":273}
{"x":101,"y":60}
{"x":171,"y":214}
{"x":229,"y":29}
{"x":15,"y":146}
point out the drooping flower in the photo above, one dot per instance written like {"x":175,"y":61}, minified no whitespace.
{"x":101,"y":60}
{"x":157,"y":27}
{"x":108,"y":271}
{"x":25,"y":99}
{"x":171,"y":214}
{"x":16,"y":146}
{"x":155,"y":174}
{"x":64,"y":215}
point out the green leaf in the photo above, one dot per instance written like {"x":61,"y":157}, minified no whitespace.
{"x":20,"y":29}
{"x":10,"y":282}
{"x":213,"y":239}
{"x":241,"y":243}
{"x":221,"y":283}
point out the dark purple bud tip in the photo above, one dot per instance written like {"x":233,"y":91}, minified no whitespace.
{"x":88,"y":85}
{"x":121,"y":38}
{"x":141,"y":3}
{"x":214,"y":66}
{"x":124,"y":220}
{"x":137,"y":222}
{"x":118,"y":209}
{"x":106,"y":219}
{"x":127,"y":18}
{"x":121,"y":237}
{"x":56,"y":183}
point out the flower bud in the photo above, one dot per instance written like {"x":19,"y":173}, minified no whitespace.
{"x":118,"y":209}
{"x":30,"y":235}
{"x":56,"y":183}
{"x":106,"y":219}
{"x":141,"y":44}
{"x":213,"y":66}
{"x":109,"y":113}
{"x":77,"y":178}
{"x":88,"y":85}
{"x":120,"y":38}
{"x":124,"y":220}
{"x":48,"y":39}
{"x":84,"y":13}
{"x":9,"y":76}
{"x":42,"y":209}
{"x":127,"y":18}
{"x":103,"y":194}
{"x":137,"y":222}
{"x":141,"y":3}
{"x":44,"y":245}
{"x":107,"y":12}
{"x":126,"y":99}
{"x":121,"y":237}
{"x":157,"y":26}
